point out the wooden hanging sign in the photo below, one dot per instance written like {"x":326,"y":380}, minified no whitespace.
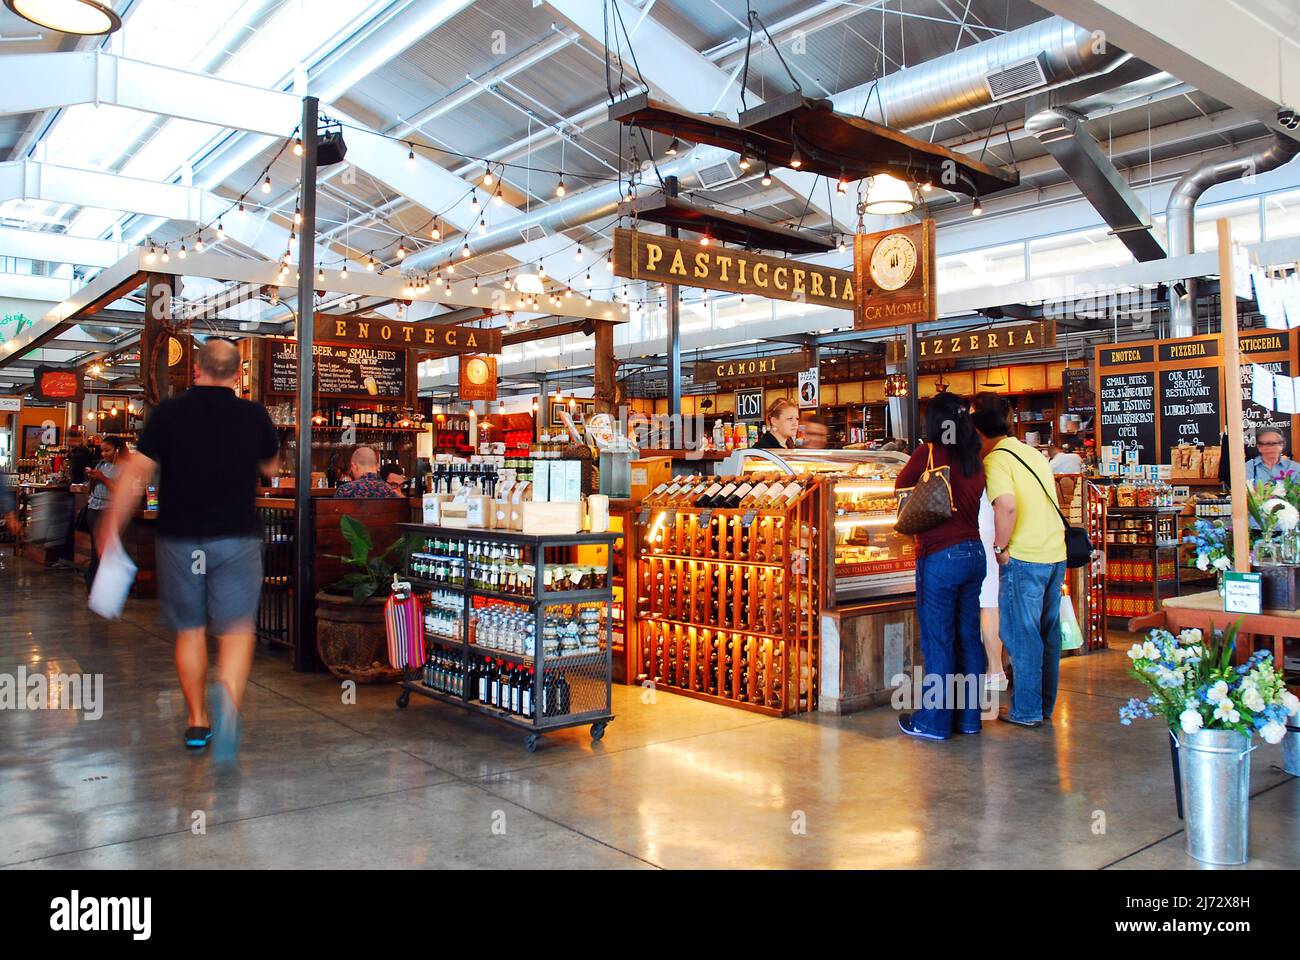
{"x":713,"y":371}
{"x":478,"y":378}
{"x":421,"y":335}
{"x":894,"y":275}
{"x":641,"y":256}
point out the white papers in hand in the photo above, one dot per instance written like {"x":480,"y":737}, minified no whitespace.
{"x":113,"y":581}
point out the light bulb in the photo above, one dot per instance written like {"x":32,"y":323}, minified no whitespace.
{"x":465,"y":251}
{"x":221,"y":231}
{"x":487,"y":177}
{"x":370,"y":265}
{"x":410,"y":159}
{"x":473,"y":201}
{"x":925,"y":187}
{"x":508,"y":284}
{"x":343,"y":274}
{"x":320,"y":276}
{"x":559,"y":188}
{"x":241,"y":207}
{"x":609,"y":264}
{"x":588,"y":278}
{"x":451,"y":268}
{"x":841,"y":247}
{"x":152,"y":255}
{"x":482,"y":226}
{"x":401,"y":251}
{"x":767,"y":177}
{"x":541,"y":271}
{"x":745,"y":162}
{"x":297,"y":217}
{"x":181,"y":252}
{"x":497,"y":199}
{"x":436,"y":232}
{"x":166,"y":257}
{"x":705,"y":240}
{"x":842,"y":186}
{"x":297,"y":146}
{"x":266,"y":184}
{"x":568,"y":293}
{"x":198,"y":245}
{"x":578,"y":254}
{"x":976,"y":209}
{"x":672,"y":148}
{"x":438,"y":278}
{"x":474,"y":289}
{"x":796,"y":161}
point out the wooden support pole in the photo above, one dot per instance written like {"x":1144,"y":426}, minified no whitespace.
{"x":159,"y":290}
{"x":603,"y":375}
{"x":1236,"y":452}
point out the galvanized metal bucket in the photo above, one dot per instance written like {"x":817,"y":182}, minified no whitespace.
{"x":1214,"y":766}
{"x":1291,"y":748}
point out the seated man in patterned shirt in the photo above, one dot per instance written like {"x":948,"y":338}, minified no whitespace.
{"x":366,"y":484}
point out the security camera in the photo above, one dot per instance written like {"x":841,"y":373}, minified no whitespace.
{"x":1288,"y":118}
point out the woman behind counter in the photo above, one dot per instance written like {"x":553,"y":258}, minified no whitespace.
{"x":782,"y":426}
{"x":950,"y":569}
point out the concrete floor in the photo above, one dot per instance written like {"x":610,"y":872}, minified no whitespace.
{"x":674,"y":784}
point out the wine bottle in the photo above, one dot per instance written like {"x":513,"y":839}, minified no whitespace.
{"x":705,"y":499}
{"x":738,"y":495}
{"x":526,"y":694}
{"x":719,"y":499}
{"x":516,"y":693}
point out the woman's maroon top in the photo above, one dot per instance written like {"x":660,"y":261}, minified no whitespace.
{"x":965,"y":521}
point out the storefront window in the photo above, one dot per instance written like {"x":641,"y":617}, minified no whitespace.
{"x":1282,"y":215}
{"x":982,"y":268}
{"x":1092,"y":249}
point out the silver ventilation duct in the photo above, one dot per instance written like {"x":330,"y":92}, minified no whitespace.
{"x":1033,"y":59}
{"x":1180,"y":213}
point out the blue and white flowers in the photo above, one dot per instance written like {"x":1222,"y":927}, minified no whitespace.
{"x":1195,"y":686}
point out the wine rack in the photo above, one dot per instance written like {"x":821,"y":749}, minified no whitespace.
{"x":727,"y":603}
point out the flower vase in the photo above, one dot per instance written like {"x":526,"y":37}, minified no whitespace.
{"x":1214,"y":766}
{"x":1291,"y":548}
{"x":1266,"y":551}
{"x":1221,"y":581}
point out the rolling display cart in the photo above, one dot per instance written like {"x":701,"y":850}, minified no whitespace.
{"x":1142,"y":546}
{"x":500,"y":612}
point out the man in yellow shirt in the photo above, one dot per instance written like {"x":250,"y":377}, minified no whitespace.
{"x":1029,"y":542}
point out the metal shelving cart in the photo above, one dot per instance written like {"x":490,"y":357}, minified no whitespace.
{"x":1149,"y":547}
{"x":587,"y":676}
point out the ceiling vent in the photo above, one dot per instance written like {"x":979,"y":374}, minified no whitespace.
{"x":533,"y":232}
{"x":715,"y":175}
{"x":1014,"y":79}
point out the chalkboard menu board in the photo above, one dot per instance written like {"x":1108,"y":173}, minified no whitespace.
{"x":1128,"y":412}
{"x":1258,"y":418}
{"x":1189,"y":408}
{"x":339,"y":371}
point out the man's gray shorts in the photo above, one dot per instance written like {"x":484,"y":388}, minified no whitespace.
{"x":211,"y":582}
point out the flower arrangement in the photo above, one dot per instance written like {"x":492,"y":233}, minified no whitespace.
{"x":1272,"y":504}
{"x":1213,"y":542}
{"x":1195,"y":686}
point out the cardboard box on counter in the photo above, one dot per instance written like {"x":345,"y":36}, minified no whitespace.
{"x":550,"y":518}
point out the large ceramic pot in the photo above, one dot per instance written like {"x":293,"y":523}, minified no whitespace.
{"x":350,"y":639}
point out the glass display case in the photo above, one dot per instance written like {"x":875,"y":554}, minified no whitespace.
{"x":870,"y":560}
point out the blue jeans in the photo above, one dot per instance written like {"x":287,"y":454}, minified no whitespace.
{"x":948,"y":610}
{"x":1029,"y":613}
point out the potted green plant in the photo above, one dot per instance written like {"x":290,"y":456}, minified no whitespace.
{"x":1212,"y":708}
{"x":350,"y":634}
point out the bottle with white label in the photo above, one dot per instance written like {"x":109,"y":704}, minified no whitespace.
{"x":706,"y":498}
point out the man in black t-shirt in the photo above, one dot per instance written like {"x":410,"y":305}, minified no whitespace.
{"x":211,"y":447}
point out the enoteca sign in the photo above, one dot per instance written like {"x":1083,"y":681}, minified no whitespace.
{"x":421,"y":335}
{"x":641,"y":256}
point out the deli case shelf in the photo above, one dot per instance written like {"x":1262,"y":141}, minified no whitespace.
{"x":866,"y":558}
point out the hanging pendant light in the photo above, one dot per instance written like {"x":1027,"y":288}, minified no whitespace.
{"x":85,"y":18}
{"x":888,"y":195}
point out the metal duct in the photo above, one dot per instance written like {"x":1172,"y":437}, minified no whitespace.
{"x":1180,"y":213}
{"x":1061,"y":130}
{"x":1033,"y":59}
{"x":552,"y":218}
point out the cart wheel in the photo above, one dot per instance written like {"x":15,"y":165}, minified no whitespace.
{"x":530,"y":744}
{"x":403,"y":699}
{"x":597,"y":730}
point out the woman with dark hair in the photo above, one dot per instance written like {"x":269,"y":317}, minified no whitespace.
{"x":949,"y":572}
{"x":102,"y":482}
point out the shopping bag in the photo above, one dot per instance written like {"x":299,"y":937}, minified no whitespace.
{"x":1071,"y":635}
{"x":404,"y":625}
{"x":113,"y":581}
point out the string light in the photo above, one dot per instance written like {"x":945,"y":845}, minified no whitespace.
{"x":609,"y":264}
{"x":842,"y":186}
{"x":401,"y":251}
{"x":266,"y":184}
{"x":767,"y":177}
{"x":842,"y":247}
{"x":166,"y":257}
{"x":745,"y":162}
{"x":796,"y":161}
{"x":297,"y":216}
{"x":578,"y":254}
{"x":672,"y":147}
{"x":438,"y":278}
{"x":370,"y":264}
{"x":221,"y":231}
{"x":508,"y":284}
{"x":588,"y":278}
{"x":705,"y":240}
{"x":559,"y":187}
{"x":541,"y":271}
{"x":198,"y":244}
{"x":181,"y":252}
{"x":925,"y":186}
{"x":474,"y":289}
{"x":320,"y":276}
{"x":451,"y":268}
{"x":482,"y":226}
{"x":436,"y":232}
{"x":410,"y":157}
{"x":343,"y":274}
{"x":297,"y":146}
{"x":976,"y":208}
{"x":487,"y":177}
{"x":241,"y":207}
{"x":465,"y":251}
{"x":152,"y":255}
{"x":497,"y":199}
{"x":473,"y":201}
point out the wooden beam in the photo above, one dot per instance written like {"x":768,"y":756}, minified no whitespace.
{"x":153,"y":343}
{"x":603,"y":376}
{"x":544,"y":333}
{"x":1236,"y":452}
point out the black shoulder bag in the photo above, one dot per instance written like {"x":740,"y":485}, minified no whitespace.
{"x":1078,"y":548}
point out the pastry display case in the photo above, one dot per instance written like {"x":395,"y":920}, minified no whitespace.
{"x":868,"y":559}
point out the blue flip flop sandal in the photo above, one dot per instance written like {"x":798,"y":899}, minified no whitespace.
{"x":196,"y":738}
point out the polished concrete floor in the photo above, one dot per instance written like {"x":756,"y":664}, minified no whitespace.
{"x":675,"y":783}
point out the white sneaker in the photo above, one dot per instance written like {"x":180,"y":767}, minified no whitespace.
{"x":995,"y":681}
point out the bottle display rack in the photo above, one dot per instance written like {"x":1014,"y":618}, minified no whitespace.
{"x":513,"y":631}
{"x":727,"y":602}
{"x":1142,"y":548}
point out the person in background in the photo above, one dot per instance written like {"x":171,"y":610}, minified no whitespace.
{"x":9,"y":507}
{"x":102,"y":487}
{"x":782,"y":426}
{"x":1029,"y":541}
{"x":995,"y":677}
{"x":393,"y":475}
{"x":1066,"y":466}
{"x":814,"y":432}
{"x":211,"y":447}
{"x":950,"y":568}
{"x":366,"y":483}
{"x":1272,"y":461}
{"x":81,"y":457}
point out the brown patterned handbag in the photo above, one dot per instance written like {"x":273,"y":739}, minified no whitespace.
{"x":929,"y":503}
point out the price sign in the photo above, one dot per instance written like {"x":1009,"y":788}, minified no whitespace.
{"x":1242,"y":592}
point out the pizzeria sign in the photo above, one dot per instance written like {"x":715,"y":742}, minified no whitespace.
{"x":1009,"y":339}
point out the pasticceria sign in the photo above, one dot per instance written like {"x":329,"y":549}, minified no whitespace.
{"x":433,"y":337}
{"x":1012,"y":339}
{"x":640,"y":256}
